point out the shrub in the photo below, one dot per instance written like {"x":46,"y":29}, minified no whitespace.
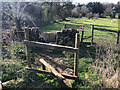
{"x":80,"y":15}
{"x":96,"y":15}
{"x":84,"y":10}
{"x":89,"y":15}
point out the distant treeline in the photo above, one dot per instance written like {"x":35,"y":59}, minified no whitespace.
{"x":49,"y":12}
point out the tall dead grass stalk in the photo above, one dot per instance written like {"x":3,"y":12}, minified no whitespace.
{"x":107,"y":65}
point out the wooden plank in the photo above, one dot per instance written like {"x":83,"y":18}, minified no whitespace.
{"x":51,"y":69}
{"x":92,"y":34}
{"x":50,"y":46}
{"x":76,"y":55}
{"x":50,"y":73}
{"x":105,"y":30}
{"x":68,"y":76}
{"x":27,"y":48}
{"x":39,"y":71}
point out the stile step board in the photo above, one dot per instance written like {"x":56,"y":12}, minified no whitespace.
{"x":51,"y":69}
{"x":5,"y":83}
{"x":50,"y":73}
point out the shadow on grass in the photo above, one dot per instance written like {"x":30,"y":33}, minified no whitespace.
{"x":101,"y":26}
{"x":86,"y":52}
{"x":37,"y":81}
{"x":51,"y":27}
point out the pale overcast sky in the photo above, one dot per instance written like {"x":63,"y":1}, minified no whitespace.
{"x":74,"y":1}
{"x":86,"y":1}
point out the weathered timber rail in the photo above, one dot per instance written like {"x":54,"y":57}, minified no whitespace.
{"x":50,"y":46}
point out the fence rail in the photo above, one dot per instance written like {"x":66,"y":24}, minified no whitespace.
{"x":105,"y":30}
{"x":50,"y":46}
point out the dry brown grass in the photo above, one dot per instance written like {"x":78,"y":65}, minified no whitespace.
{"x":107,"y":65}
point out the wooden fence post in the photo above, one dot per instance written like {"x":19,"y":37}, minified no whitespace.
{"x":76,"y":55}
{"x":27,"y":47}
{"x":82,"y":36}
{"x":118,"y":35}
{"x":92,"y":33}
{"x":65,"y":26}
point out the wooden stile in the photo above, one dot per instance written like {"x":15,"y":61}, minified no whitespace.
{"x":51,"y":70}
{"x":76,"y":55}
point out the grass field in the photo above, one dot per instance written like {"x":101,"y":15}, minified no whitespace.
{"x":104,"y":23}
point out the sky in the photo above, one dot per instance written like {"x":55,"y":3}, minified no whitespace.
{"x":74,"y":1}
{"x":86,"y":1}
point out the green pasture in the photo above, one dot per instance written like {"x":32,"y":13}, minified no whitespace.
{"x":104,"y":23}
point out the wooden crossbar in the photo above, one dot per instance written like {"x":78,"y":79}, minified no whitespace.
{"x":50,"y":73}
{"x":105,"y":30}
{"x":69,"y":76}
{"x":51,"y":69}
{"x":39,"y":71}
{"x":87,"y":37}
{"x":51,"y":46}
